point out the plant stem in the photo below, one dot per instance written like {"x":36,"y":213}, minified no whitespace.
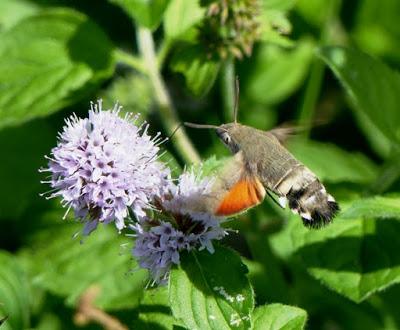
{"x":311,"y":96}
{"x":130,"y":60}
{"x":87,"y":312}
{"x":228,"y":88}
{"x":163,"y":52}
{"x":166,"y":109}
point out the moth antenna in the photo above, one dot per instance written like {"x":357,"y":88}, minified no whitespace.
{"x":175,"y":130}
{"x":200,"y":125}
{"x":235,"y":109}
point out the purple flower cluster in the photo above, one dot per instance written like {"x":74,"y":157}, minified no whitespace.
{"x":104,"y":165}
{"x":158,"y":243}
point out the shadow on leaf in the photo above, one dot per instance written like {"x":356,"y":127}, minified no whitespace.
{"x":367,"y":253}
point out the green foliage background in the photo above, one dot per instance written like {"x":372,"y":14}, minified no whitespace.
{"x":326,"y":61}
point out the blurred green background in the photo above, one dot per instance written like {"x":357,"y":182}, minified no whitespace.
{"x":323,"y":63}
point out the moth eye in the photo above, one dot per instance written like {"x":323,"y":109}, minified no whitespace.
{"x":226,"y":138}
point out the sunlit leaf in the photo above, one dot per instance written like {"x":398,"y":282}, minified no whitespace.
{"x":12,"y":11}
{"x":279,"y":317}
{"x":354,"y":257}
{"x":278,"y":72}
{"x":372,"y":85}
{"x":330,"y":163}
{"x":147,"y":13}
{"x":374,"y":207}
{"x":14,"y":294}
{"x":199,"y":71}
{"x":48,"y":61}
{"x":283,"y":5}
{"x":180,"y":16}
{"x":67,"y":267}
{"x":211,"y":291}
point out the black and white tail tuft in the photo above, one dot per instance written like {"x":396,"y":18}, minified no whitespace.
{"x":316,"y":207}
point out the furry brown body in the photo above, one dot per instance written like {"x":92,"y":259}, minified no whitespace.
{"x":261,"y":157}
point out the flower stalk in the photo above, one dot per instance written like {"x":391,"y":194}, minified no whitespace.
{"x":87,"y":312}
{"x":228,"y":88}
{"x":166,"y":109}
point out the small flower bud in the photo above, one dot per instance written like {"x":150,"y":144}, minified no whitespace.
{"x":231,"y":27}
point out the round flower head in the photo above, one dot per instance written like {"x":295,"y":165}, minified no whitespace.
{"x":188,"y":193}
{"x":103,"y":165}
{"x":158,"y":243}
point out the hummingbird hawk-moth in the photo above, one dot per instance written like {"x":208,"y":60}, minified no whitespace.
{"x":260,"y":165}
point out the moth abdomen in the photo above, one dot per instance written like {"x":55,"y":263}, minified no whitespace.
{"x":316,"y":207}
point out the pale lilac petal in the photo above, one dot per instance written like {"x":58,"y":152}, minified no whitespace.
{"x":103,"y":165}
{"x":159,"y":243}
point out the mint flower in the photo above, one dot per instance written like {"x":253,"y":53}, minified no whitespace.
{"x":104,"y":165}
{"x":159,"y":242}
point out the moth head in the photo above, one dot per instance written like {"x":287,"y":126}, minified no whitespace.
{"x":227,"y":133}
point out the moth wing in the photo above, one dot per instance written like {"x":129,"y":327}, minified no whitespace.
{"x":235,"y":189}
{"x":289,"y":130}
{"x":284,"y":133}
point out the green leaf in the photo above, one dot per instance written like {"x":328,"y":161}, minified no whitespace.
{"x":277,"y":72}
{"x":376,"y":28}
{"x":317,"y":300}
{"x":211,"y":291}
{"x":12,"y":11}
{"x":48,"y":61}
{"x":266,"y":278}
{"x":147,"y":13}
{"x":180,"y":16}
{"x":374,"y":207}
{"x":315,"y":12}
{"x":200,"y":73}
{"x":132,"y":91}
{"x":209,"y":167}
{"x":354,"y":257}
{"x":274,"y":23}
{"x":373,"y":86}
{"x":154,"y":311}
{"x":14,"y":294}
{"x":377,"y":140}
{"x":279,"y":317}
{"x":66,"y":267}
{"x":283,"y":5}
{"x":274,"y":28}
{"x":332,"y":164}
{"x":49,"y":322}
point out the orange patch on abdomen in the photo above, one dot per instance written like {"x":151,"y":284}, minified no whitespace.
{"x":243,"y":195}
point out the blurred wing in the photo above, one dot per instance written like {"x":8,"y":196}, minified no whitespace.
{"x":235,"y":189}
{"x":284,"y":133}
{"x":288,"y":130}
